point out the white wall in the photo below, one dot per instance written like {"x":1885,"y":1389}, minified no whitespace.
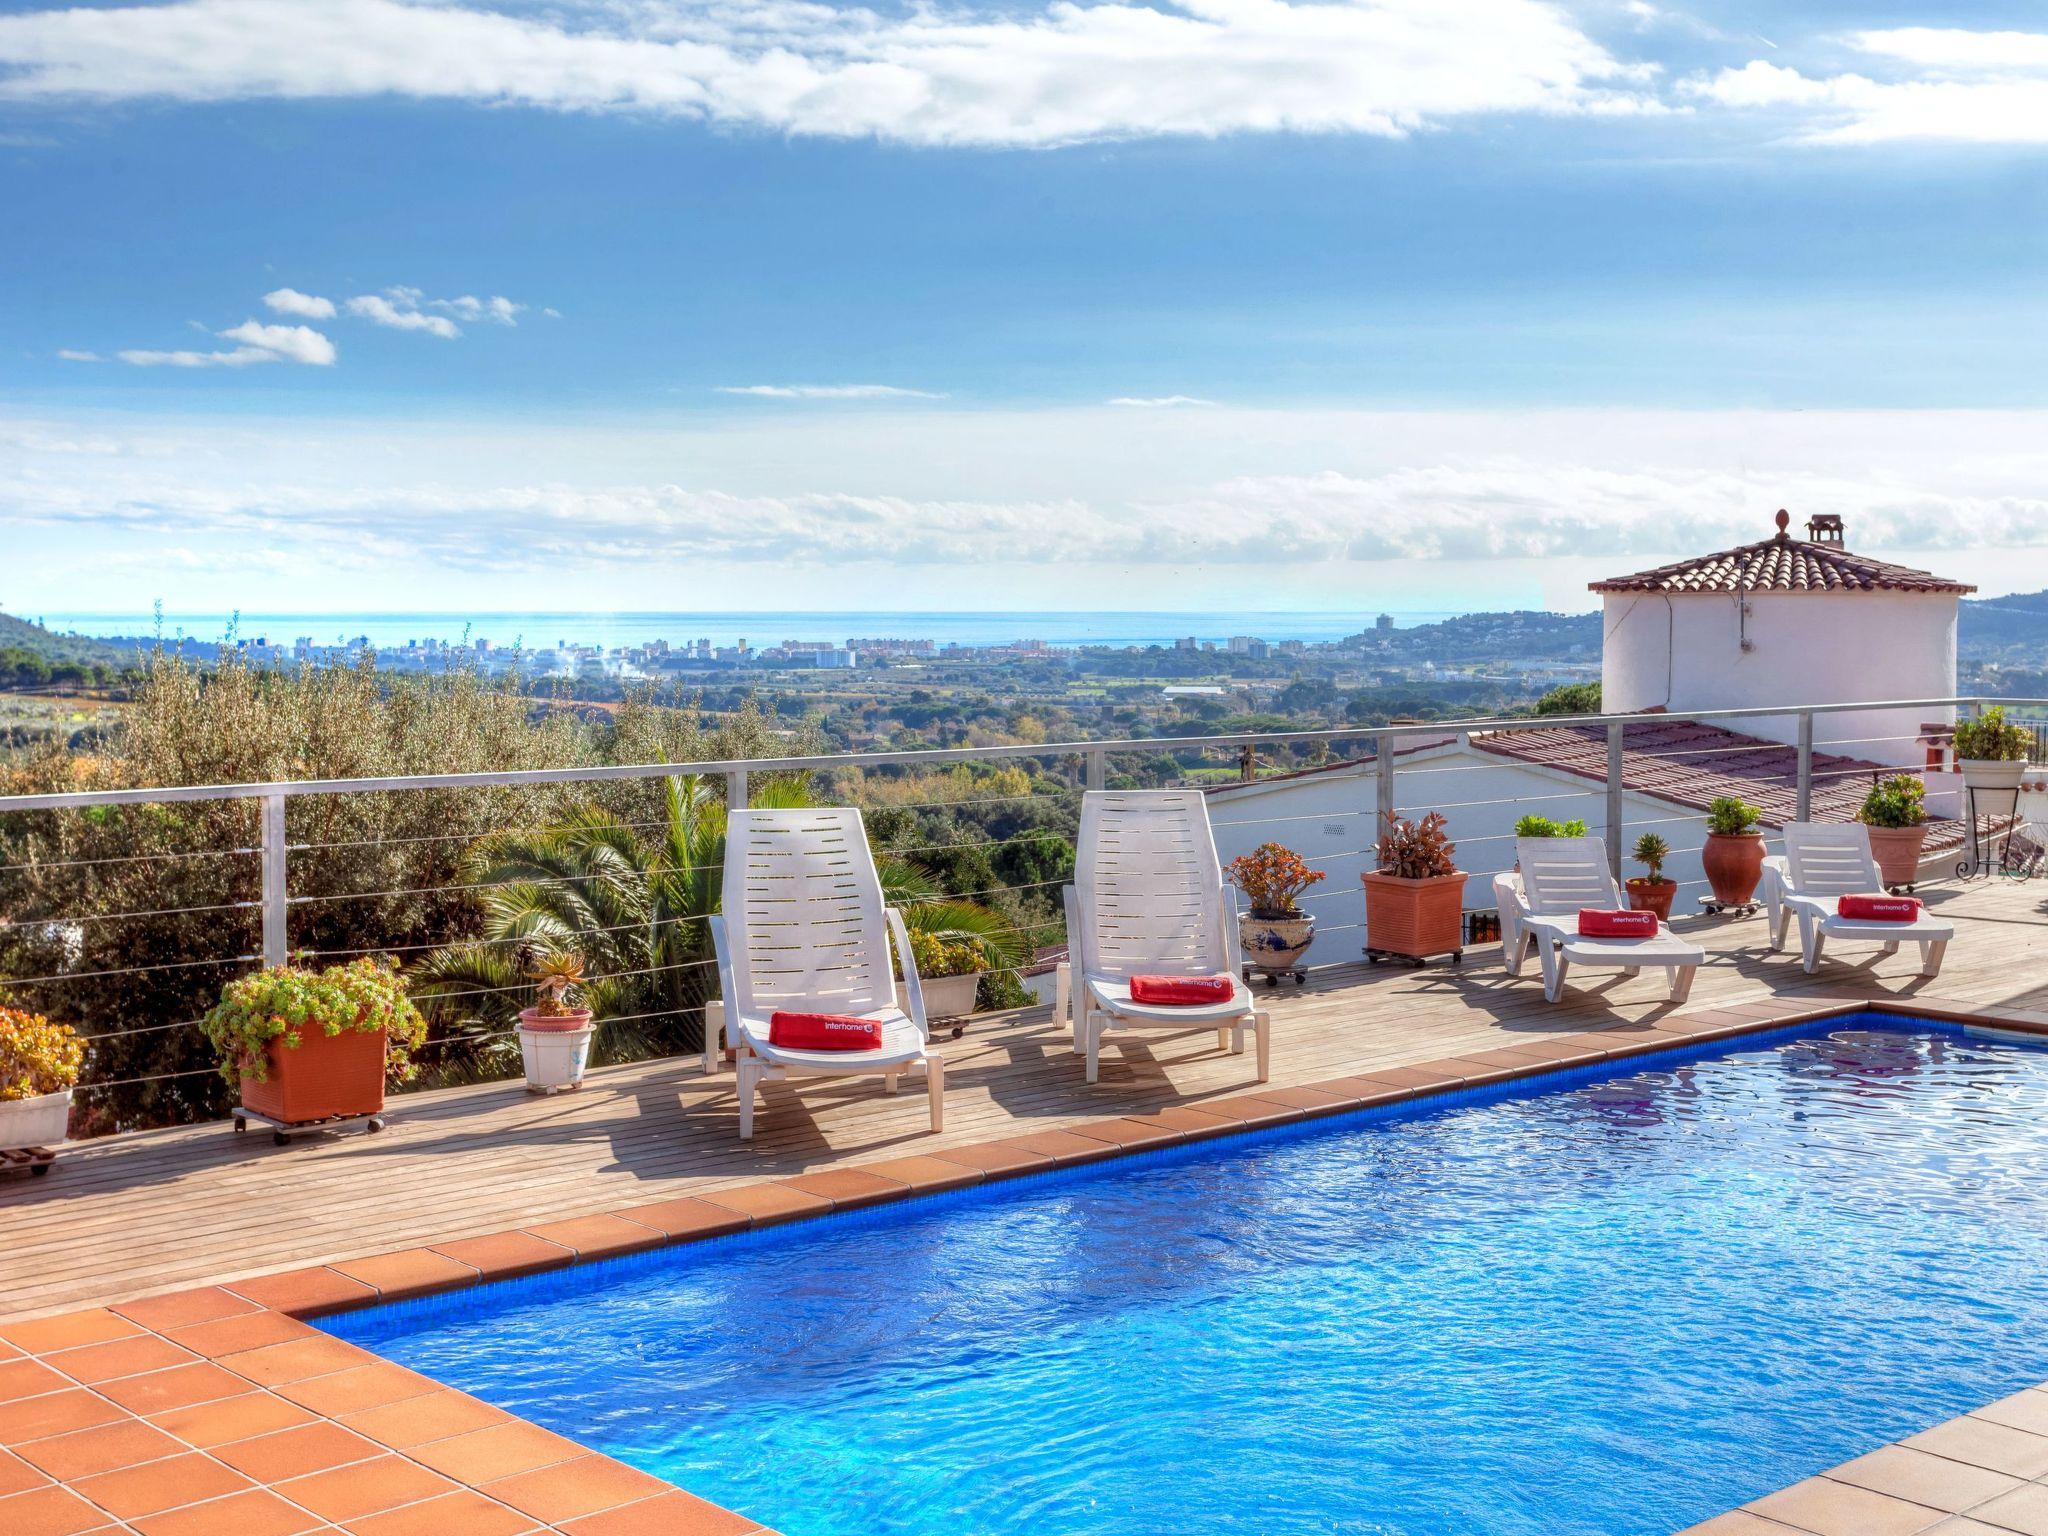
{"x":1330,"y":820}
{"x":1685,"y":652}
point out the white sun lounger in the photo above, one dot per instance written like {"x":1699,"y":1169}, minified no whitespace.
{"x":1825,"y":861}
{"x":1148,"y":899}
{"x":1540,"y":906}
{"x":804,"y":930}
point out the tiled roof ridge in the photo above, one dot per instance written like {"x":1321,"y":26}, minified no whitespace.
{"x":1782,"y":564}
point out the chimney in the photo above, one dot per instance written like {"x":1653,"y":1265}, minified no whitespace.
{"x":1824,"y":528}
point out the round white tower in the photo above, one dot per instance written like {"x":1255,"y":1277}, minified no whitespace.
{"x":1783,"y":622}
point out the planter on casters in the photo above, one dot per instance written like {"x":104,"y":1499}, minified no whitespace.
{"x":1652,"y":896}
{"x":326,"y":1079}
{"x":1414,"y":920}
{"x":31,"y":1128}
{"x":1734,"y":865}
{"x":950,"y":998}
{"x":1274,"y":942}
{"x":554,"y":1048}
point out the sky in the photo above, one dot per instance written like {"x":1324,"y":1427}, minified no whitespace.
{"x":347,"y":305}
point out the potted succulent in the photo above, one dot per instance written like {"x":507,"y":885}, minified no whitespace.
{"x":39,"y":1065}
{"x":1733,"y":856}
{"x":1275,"y":933}
{"x":554,"y":1034}
{"x":1652,"y":891}
{"x":1895,"y":814}
{"x":1992,"y":751}
{"x":1543,"y":826}
{"x":1414,"y":902}
{"x":305,"y":1046}
{"x":948,"y":973}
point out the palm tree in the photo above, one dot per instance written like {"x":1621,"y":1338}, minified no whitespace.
{"x":634,"y":907}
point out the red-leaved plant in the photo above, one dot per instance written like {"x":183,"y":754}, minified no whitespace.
{"x":1271,"y":877}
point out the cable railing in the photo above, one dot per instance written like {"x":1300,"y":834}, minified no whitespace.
{"x":1617,"y":773}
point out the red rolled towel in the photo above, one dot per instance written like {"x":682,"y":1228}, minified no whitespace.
{"x":1182,"y":991}
{"x":823,"y":1032}
{"x":1600,"y":923}
{"x":1879,"y":909}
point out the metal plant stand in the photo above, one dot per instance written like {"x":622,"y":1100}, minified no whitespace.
{"x":1983,"y":838}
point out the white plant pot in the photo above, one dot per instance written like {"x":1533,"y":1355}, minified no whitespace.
{"x":37,"y":1122}
{"x":1992,"y":772}
{"x":554,"y":1059}
{"x":950,"y":997}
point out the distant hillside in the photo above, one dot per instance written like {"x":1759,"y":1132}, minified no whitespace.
{"x":20,"y":635}
{"x":1995,"y":628}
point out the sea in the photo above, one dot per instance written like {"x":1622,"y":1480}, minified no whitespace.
{"x":387,"y":631}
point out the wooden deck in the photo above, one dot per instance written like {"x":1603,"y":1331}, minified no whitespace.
{"x":161,"y":1211}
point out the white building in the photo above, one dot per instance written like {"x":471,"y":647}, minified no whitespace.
{"x":1783,"y":622}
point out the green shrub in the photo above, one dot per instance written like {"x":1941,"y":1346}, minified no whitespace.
{"x":1543,"y":826}
{"x":1897,"y":801}
{"x":1730,"y":817}
{"x":1570,"y":699}
{"x":284,"y":1002}
{"x":1990,"y":737}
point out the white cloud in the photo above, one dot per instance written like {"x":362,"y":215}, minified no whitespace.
{"x":1967,"y":87}
{"x":259,"y":343}
{"x":1007,"y":75}
{"x":1158,"y":402}
{"x":74,"y":355}
{"x":827,"y":392}
{"x":498,"y":309}
{"x":401,"y":315}
{"x":289,"y":301}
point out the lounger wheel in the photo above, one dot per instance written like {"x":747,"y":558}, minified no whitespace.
{"x":42,"y":1169}
{"x":376,"y":1124}
{"x":241,"y":1123}
{"x":279,"y":1139}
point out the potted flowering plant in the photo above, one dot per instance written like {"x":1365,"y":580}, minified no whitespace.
{"x":305,"y":1046}
{"x":1733,"y":856}
{"x":39,"y":1065}
{"x":1652,"y":891}
{"x":554,"y":1034}
{"x":1992,"y":751}
{"x":1543,"y":826}
{"x":1275,"y":933}
{"x":1414,"y":902}
{"x":1895,"y":815}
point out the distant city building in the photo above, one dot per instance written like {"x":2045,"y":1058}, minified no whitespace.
{"x":1187,"y":643}
{"x":1384,"y":622}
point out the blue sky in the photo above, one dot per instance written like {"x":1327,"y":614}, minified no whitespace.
{"x":520,"y":258}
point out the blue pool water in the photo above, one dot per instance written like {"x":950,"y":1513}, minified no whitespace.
{"x":1613,"y":1305}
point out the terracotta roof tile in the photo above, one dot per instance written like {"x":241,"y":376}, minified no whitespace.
{"x":1782,"y":564}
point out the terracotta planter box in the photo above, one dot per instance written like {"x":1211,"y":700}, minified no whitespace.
{"x":1734,"y":864}
{"x":1646,"y":896}
{"x":1897,"y":851}
{"x":327,"y":1077}
{"x":1417,"y":918}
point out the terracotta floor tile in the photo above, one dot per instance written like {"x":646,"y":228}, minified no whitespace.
{"x":123,"y":1357}
{"x":252,"y":1512}
{"x":1061,"y":1148}
{"x":368,"y":1386}
{"x":2023,"y":1509}
{"x":237,"y":1335}
{"x":1425,"y":1077}
{"x":232,"y":1418}
{"x":1835,"y":1509}
{"x":36,"y":1418}
{"x":183,"y":1309}
{"x":28,"y":1378}
{"x":686,"y":1218}
{"x":159,"y":1485}
{"x":1186,"y":1121}
{"x":73,"y":1330}
{"x":1923,"y":1478}
{"x":666,"y":1514}
{"x":178,"y":1387}
{"x":575,"y":1488}
{"x":306,"y":1292}
{"x":17,"y":1476}
{"x":365,"y":1488}
{"x":2023,"y":1410}
{"x":418,"y":1420}
{"x":1981,"y":1443}
{"x":49,"y":1511}
{"x":849,"y":1188}
{"x":1738,"y":1523}
{"x":1310,"y":1100}
{"x":596,"y":1237}
{"x":317,"y":1354}
{"x":767,"y":1203}
{"x":461,"y":1513}
{"x":990,"y":1158}
{"x":410,"y":1272}
{"x":1249,"y":1110}
{"x":923,"y":1174}
{"x":1370,"y":1091}
{"x":503,"y":1255}
{"x":86,"y":1452}
{"x":296,"y":1452}
{"x":503,"y":1450}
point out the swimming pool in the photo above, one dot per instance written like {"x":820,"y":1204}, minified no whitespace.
{"x":1614,"y":1302}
